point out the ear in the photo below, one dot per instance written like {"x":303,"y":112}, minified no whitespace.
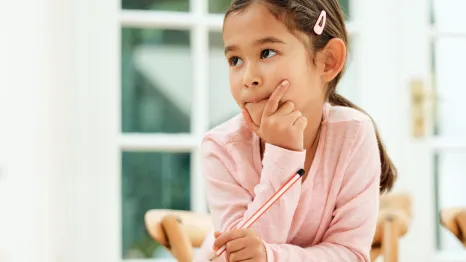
{"x":333,"y":59}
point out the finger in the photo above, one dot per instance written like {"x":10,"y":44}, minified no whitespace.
{"x":216,"y":234}
{"x":286,"y":108}
{"x":241,"y":255}
{"x":248,"y":119}
{"x":236,"y":245}
{"x":294,"y":116}
{"x":272,"y":104}
{"x":301,"y":123}
{"x":228,"y":236}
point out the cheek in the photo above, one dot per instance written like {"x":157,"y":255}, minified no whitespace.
{"x":235,"y":88}
{"x":304,"y":89}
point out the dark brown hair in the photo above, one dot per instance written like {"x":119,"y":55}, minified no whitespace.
{"x":301,"y":15}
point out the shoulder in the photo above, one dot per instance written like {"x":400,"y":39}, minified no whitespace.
{"x":226,"y":135}
{"x":352,"y":134}
{"x":228,"y":148}
{"x":232,"y":130}
{"x":349,"y":123}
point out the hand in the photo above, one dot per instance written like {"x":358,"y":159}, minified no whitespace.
{"x":284,"y":126}
{"x":241,"y":245}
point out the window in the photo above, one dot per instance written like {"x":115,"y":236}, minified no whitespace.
{"x":448,"y":50}
{"x":174,"y":87}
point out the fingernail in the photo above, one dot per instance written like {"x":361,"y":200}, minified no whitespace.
{"x":285,"y":83}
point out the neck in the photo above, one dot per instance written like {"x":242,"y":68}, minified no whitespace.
{"x":314,"y":121}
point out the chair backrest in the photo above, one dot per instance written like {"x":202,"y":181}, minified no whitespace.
{"x":196,"y":225}
{"x":454,"y":219}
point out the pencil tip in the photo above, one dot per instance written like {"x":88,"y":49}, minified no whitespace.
{"x":301,"y":172}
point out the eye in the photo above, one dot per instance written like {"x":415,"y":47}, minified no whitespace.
{"x":235,"y":61}
{"x":267,"y":53}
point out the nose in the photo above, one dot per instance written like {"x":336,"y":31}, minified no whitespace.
{"x":252,"y":77}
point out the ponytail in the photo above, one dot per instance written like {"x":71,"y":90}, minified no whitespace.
{"x":389,"y":172}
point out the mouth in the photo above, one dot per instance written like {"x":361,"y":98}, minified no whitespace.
{"x":257,"y":100}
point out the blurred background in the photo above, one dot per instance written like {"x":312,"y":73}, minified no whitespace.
{"x":103,"y":105}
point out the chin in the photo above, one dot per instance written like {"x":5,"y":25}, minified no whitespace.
{"x":255,"y":111}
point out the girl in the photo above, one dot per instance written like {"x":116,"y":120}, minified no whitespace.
{"x":286,"y":58}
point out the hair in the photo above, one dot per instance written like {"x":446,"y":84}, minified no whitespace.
{"x":301,"y":16}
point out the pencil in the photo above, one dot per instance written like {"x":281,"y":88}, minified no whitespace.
{"x":291,"y":181}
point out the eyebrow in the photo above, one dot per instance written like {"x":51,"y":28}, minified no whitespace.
{"x":262,"y":41}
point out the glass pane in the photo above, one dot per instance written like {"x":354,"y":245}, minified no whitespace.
{"x":448,"y":73}
{"x":345,"y":6}
{"x":220,"y":6}
{"x":154,"y":96}
{"x":451,"y":178}
{"x":165,"y":5}
{"x":223,"y":106}
{"x":449,"y":15}
{"x":151,"y":180}
{"x":431,"y":12}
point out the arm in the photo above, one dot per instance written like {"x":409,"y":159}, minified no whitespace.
{"x":231,"y":204}
{"x":351,"y":231}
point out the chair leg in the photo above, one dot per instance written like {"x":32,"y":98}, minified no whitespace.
{"x":390,"y":241}
{"x":179,"y":243}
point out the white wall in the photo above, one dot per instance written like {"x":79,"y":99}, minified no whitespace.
{"x":39,"y":157}
{"x":24,"y":136}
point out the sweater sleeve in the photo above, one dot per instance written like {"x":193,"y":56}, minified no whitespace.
{"x":231,"y":204}
{"x":349,"y":236}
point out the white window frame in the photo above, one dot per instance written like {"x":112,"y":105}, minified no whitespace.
{"x":200,"y":23}
{"x":439,"y":144}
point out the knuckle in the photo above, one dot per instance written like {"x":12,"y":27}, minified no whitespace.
{"x":228,"y":246}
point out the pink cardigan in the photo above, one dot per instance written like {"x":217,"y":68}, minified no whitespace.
{"x":329,"y":217}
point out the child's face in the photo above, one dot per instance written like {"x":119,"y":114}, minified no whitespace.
{"x":262,"y":52}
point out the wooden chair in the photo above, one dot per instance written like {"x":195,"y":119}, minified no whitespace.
{"x":393,"y":223}
{"x":454,"y":219}
{"x":181,"y":231}
{"x":178,"y":231}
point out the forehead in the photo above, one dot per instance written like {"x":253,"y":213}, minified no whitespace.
{"x":252,"y":23}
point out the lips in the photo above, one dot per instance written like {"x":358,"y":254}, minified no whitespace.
{"x":257,"y":99}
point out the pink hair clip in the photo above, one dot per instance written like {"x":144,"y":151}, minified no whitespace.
{"x":320,"y":24}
